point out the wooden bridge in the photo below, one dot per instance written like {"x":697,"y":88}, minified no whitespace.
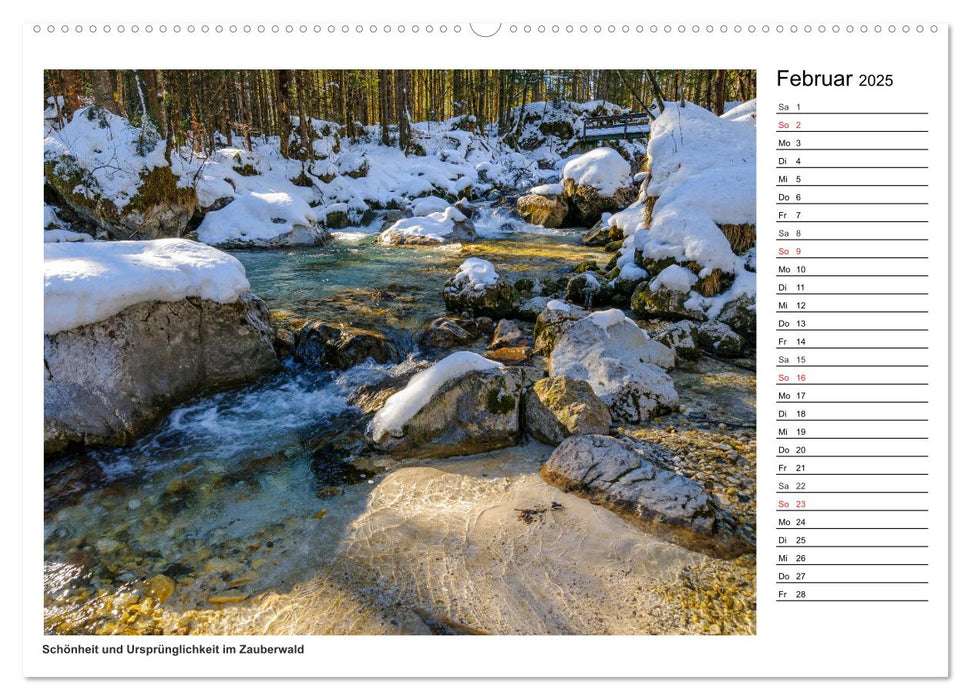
{"x":616,"y":127}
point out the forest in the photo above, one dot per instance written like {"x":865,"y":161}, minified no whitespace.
{"x":206,"y":109}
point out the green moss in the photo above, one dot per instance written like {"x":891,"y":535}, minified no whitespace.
{"x":160,"y":188}
{"x":246,"y":169}
{"x":499,"y":401}
{"x":302,"y":180}
{"x":587,"y":266}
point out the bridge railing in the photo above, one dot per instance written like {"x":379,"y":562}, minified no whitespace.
{"x":620,"y":124}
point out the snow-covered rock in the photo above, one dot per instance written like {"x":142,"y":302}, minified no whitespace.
{"x":107,"y":381}
{"x":116,"y":176}
{"x":462,"y":404}
{"x":623,"y":365}
{"x":602,"y":169}
{"x":89,"y":282}
{"x":262,"y":220}
{"x":555,"y":408}
{"x":640,"y":484}
{"x":437,"y":228}
{"x":587,"y":290}
{"x":478,"y":289}
{"x":423,"y":206}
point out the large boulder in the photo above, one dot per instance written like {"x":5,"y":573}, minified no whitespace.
{"x":555,"y":408}
{"x":639,"y":483}
{"x":597,"y":182}
{"x":479,"y":290}
{"x":438,"y":228}
{"x":116,"y":176}
{"x":323,"y":345}
{"x":587,"y":204}
{"x":625,"y":367}
{"x":106,"y":382}
{"x":549,"y":211}
{"x":463,"y":404}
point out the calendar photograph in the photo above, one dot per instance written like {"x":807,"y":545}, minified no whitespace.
{"x":399,"y":352}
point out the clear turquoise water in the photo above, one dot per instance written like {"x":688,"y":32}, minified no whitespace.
{"x":352,"y":280}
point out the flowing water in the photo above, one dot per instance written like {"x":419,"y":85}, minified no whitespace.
{"x":353,"y":280}
{"x":227,"y":518}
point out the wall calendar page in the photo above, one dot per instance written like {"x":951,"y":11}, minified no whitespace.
{"x":447,"y":348}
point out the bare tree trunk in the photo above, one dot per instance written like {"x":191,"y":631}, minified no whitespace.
{"x":719,"y":106}
{"x":402,"y":89}
{"x":283,"y":110}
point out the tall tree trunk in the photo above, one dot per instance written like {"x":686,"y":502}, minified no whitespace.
{"x":719,"y":105}
{"x":402,"y":81}
{"x":384,"y":105}
{"x":284,"y":123}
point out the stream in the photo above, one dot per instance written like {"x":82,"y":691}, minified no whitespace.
{"x":223,"y":520}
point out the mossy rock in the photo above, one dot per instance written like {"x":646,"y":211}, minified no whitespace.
{"x":555,"y":408}
{"x":586,"y":266}
{"x":159,"y":209}
{"x":664,"y":304}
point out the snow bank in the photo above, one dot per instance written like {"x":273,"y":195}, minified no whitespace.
{"x":89,"y":282}
{"x":404,"y":405}
{"x":700,"y":161}
{"x":603,"y":169}
{"x":434,"y":227}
